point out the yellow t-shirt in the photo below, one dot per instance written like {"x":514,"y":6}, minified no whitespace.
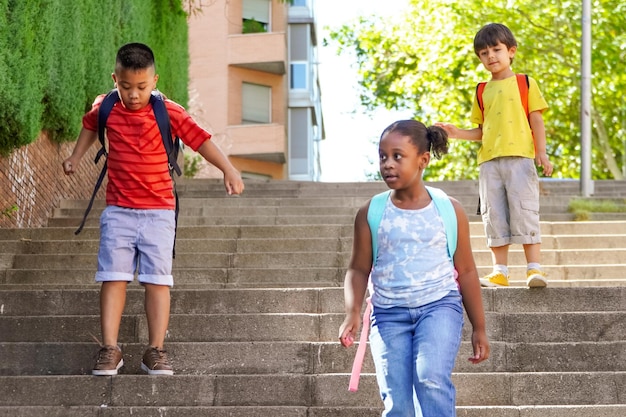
{"x":506,"y":131}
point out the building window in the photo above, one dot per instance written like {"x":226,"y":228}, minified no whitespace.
{"x":302,"y":3}
{"x":256,"y":16}
{"x":299,"y":51}
{"x":257,"y":104}
{"x":299,"y":76}
{"x":299,"y":141}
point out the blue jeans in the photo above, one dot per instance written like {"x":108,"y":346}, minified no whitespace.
{"x":414,"y":351}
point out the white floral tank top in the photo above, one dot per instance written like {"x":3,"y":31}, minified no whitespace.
{"x":413,"y":267}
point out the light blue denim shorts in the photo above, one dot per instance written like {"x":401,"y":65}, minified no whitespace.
{"x":136,"y":241}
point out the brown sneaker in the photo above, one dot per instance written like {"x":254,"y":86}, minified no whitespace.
{"x":109,"y":360}
{"x":155,"y":362}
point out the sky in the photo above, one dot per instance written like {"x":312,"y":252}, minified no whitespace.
{"x":350,"y":150}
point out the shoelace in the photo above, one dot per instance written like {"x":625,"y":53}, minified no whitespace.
{"x":159,"y":357}
{"x":106,"y":354}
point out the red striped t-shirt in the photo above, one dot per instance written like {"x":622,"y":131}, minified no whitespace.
{"x":138,"y":174}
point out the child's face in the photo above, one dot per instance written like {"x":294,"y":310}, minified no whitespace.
{"x":400,"y":162}
{"x":135,"y":86}
{"x":497,"y":59}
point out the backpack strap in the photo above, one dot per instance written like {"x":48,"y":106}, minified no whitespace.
{"x":163,"y":120}
{"x":479,"y":96}
{"x":523,"y":84}
{"x":446,"y":211}
{"x":444,"y":208}
{"x":103,"y":114}
{"x":171,"y":148}
{"x":374,"y":216}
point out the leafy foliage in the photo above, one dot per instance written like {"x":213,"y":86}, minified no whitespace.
{"x":56,"y":56}
{"x":424,"y":61}
{"x":252,"y":26}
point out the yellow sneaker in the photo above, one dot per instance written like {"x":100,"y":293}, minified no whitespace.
{"x":495,"y":279}
{"x":536,"y":278}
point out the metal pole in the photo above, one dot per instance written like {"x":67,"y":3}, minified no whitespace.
{"x":586,"y":185}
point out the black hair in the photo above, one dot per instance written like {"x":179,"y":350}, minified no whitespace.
{"x":491,"y":35}
{"x":134,"y":56}
{"x":431,"y":139}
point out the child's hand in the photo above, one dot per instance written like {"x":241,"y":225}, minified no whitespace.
{"x":69,"y":167}
{"x":348,"y":330}
{"x":233,"y":182}
{"x":450,"y":129}
{"x":481,"y":347}
{"x":541,"y":159}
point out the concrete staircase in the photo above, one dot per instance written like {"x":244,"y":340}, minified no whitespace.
{"x":258,"y":302}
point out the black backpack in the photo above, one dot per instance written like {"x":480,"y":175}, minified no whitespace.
{"x":163,"y":120}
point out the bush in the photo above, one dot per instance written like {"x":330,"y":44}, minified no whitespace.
{"x":49,"y":75}
{"x":582,"y":207}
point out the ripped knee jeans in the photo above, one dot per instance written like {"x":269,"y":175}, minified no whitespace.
{"x":414,"y":351}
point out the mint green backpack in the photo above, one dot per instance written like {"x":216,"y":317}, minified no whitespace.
{"x":442,"y":203}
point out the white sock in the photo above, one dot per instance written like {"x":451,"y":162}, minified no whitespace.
{"x":501,"y":268}
{"x":533,"y":265}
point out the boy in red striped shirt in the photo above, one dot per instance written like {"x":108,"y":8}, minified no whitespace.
{"x":138,"y":225}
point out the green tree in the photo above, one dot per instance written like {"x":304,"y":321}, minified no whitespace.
{"x":424,"y":61}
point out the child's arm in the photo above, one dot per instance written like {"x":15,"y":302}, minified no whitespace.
{"x":214,"y":155}
{"x":470,"y":286}
{"x":475,"y":134}
{"x":539,"y":134}
{"x":86,"y":138}
{"x":355,"y":283}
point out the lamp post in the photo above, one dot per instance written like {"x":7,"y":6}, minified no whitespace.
{"x":586,"y":185}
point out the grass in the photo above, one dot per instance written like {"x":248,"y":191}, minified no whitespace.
{"x":582,"y":207}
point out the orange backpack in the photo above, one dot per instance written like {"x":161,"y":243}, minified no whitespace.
{"x":522,"y":83}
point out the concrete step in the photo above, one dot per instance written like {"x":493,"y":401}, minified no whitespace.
{"x":193,"y":232}
{"x":327,"y":390}
{"x":77,"y":302}
{"x":299,"y":357}
{"x":186,"y":411}
{"x":230,"y":220}
{"x":297,"y":219}
{"x":512,"y":327}
{"x":550,"y":259}
{"x":200,"y":260}
{"x":548,"y":186}
{"x":559,"y":276}
{"x":217,"y":211}
{"x":287,"y":206}
{"x":286,"y":244}
{"x":189,"y":277}
{"x":231,"y":202}
{"x":573,"y":275}
{"x":567,"y":228}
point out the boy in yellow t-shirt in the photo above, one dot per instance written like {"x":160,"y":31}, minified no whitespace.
{"x":510,"y":141}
